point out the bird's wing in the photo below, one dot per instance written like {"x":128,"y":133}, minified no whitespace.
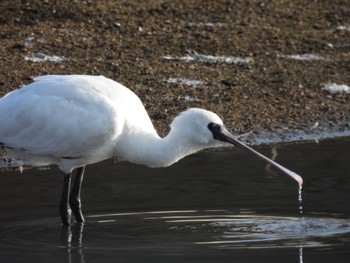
{"x":66,"y":119}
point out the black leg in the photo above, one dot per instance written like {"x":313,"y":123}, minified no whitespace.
{"x":74,"y":199}
{"x":65,"y":211}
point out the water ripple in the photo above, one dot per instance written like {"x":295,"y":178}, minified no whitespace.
{"x":179,"y":230}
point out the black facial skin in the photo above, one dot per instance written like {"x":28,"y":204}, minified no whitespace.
{"x":216,"y":130}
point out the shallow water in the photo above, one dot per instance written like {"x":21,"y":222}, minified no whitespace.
{"x":210,"y":207}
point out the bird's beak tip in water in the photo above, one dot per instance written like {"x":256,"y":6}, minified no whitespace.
{"x":225,"y":135}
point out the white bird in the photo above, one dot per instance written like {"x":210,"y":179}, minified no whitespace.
{"x":75,"y":120}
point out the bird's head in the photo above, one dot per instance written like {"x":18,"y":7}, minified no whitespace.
{"x":200,"y":127}
{"x":204,"y":129}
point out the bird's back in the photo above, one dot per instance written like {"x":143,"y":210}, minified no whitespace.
{"x":69,"y":117}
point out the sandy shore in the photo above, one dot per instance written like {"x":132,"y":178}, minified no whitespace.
{"x":261,"y":66}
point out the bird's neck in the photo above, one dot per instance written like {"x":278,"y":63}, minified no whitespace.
{"x":154,"y":151}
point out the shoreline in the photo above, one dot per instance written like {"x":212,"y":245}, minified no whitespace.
{"x":278,"y":137}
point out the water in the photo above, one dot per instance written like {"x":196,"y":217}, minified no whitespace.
{"x":300,"y":198}
{"x":211,"y":207}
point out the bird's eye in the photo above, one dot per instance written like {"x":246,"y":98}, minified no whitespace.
{"x":213,"y":126}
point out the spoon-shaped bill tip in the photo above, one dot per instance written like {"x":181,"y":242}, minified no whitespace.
{"x":292,"y":174}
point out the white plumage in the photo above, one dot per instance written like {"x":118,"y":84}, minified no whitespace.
{"x":75,"y":120}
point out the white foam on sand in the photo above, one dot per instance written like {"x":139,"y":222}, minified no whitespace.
{"x":187,"y":98}
{"x":345,"y":27}
{"x":41,"y":57}
{"x":281,"y":136}
{"x":334,"y":88}
{"x":211,"y":59}
{"x":305,"y":57}
{"x":208,"y":24}
{"x":30,"y":41}
{"x":188,"y":82}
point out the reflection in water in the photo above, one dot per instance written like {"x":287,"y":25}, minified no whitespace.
{"x":209,"y":207}
{"x":72,"y":237}
{"x":72,"y":240}
{"x":273,"y":156}
{"x":184,"y":231}
{"x":220,"y":229}
{"x":230,"y":230}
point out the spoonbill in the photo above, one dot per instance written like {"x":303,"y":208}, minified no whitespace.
{"x":75,"y":120}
